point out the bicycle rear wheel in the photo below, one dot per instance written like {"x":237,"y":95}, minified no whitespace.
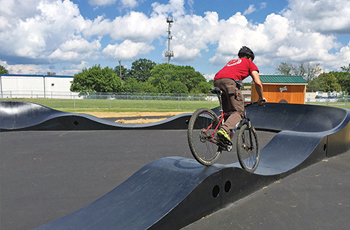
{"x":200,"y":128}
{"x":248,"y":148}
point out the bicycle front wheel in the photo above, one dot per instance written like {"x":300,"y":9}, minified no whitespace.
{"x":201,"y":128}
{"x":248,"y":148}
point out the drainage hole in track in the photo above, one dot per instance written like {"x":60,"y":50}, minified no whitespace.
{"x":227,"y":186}
{"x":216,"y":191}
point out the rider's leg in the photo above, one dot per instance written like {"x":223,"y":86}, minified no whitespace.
{"x":237,"y":115}
{"x":232,"y":101}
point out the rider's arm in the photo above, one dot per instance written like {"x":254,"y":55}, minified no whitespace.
{"x":258,"y":86}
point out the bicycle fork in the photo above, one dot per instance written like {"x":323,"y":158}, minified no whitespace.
{"x":248,"y":146}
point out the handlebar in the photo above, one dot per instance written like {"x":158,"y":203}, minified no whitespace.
{"x":253,"y":103}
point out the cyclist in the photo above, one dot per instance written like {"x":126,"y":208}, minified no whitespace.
{"x":229,"y":80}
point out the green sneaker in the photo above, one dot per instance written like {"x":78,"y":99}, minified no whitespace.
{"x":224,"y":136}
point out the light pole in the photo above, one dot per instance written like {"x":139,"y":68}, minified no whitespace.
{"x":169,"y":54}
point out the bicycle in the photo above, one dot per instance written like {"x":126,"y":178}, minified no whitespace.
{"x":207,"y":148}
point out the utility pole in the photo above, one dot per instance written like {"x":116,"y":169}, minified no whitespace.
{"x":169,"y":54}
{"x":120,"y":69}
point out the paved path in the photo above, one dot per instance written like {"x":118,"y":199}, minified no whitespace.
{"x":48,"y":174}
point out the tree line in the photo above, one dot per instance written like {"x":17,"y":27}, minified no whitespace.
{"x":144,"y":76}
{"x":318,"y":80}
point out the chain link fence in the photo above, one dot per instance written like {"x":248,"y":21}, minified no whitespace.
{"x":343,"y":102}
{"x":139,"y":100}
{"x":115,"y":100}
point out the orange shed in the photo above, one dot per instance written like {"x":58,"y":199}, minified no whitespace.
{"x":282,"y":89}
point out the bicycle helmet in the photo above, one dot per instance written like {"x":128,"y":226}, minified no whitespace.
{"x":246,"y":52}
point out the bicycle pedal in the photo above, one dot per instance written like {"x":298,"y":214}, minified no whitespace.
{"x":225,"y":147}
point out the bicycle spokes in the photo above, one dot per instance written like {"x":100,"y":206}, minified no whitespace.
{"x":247,"y":148}
{"x":206,"y":147}
{"x":201,"y":136}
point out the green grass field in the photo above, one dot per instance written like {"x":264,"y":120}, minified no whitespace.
{"x":332,"y":104}
{"x":93,"y":105}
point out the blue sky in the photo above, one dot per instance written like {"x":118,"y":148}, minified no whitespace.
{"x":40,"y":36}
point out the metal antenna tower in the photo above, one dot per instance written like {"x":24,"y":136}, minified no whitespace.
{"x":169,"y":54}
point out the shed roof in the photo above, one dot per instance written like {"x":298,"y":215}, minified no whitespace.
{"x":282,"y":79}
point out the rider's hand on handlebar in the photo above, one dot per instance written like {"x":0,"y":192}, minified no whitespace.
{"x":261,"y":101}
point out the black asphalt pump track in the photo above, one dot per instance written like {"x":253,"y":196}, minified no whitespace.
{"x":173,"y":192}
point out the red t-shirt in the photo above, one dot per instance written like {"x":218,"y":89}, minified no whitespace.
{"x":237,"y":69}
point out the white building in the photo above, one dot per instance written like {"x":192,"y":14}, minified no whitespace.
{"x":26,"y":86}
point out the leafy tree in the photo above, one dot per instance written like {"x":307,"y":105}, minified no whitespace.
{"x":141,"y":69}
{"x":131,"y":85}
{"x":177,"y":87}
{"x":147,"y":87}
{"x":325,"y":82}
{"x":124,"y":72}
{"x":346,"y":68}
{"x":314,"y":86}
{"x":285,"y":69}
{"x":202,"y":87}
{"x":96,"y":79}
{"x":190,"y":77}
{"x":161,"y":84}
{"x":308,"y":71}
{"x":163,"y":74}
{"x":3,"y":70}
{"x":343,"y":78}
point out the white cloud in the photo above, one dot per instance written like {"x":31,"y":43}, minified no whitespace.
{"x":23,"y":69}
{"x":339,"y":59}
{"x":279,"y":38}
{"x":138,"y":27}
{"x":54,"y":31}
{"x":127,"y":50}
{"x":190,"y":4}
{"x":76,"y":49}
{"x":250,"y":10}
{"x":174,"y":7}
{"x":331,"y":16}
{"x":134,"y":26}
{"x":74,"y":69}
{"x":275,"y":39}
{"x":209,"y":76}
{"x":14,"y":9}
{"x":35,"y":36}
{"x":197,"y":33}
{"x":125,"y":3}
{"x":101,"y":2}
{"x":129,"y":3}
{"x":184,"y":54}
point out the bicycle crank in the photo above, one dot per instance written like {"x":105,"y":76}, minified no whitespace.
{"x":203,"y":136}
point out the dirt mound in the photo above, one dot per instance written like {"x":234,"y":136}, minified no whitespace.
{"x":137,"y":115}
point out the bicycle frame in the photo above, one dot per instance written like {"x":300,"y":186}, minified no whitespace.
{"x":221,"y":117}
{"x":204,"y":124}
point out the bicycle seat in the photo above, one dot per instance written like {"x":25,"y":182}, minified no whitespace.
{"x":216,"y":90}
